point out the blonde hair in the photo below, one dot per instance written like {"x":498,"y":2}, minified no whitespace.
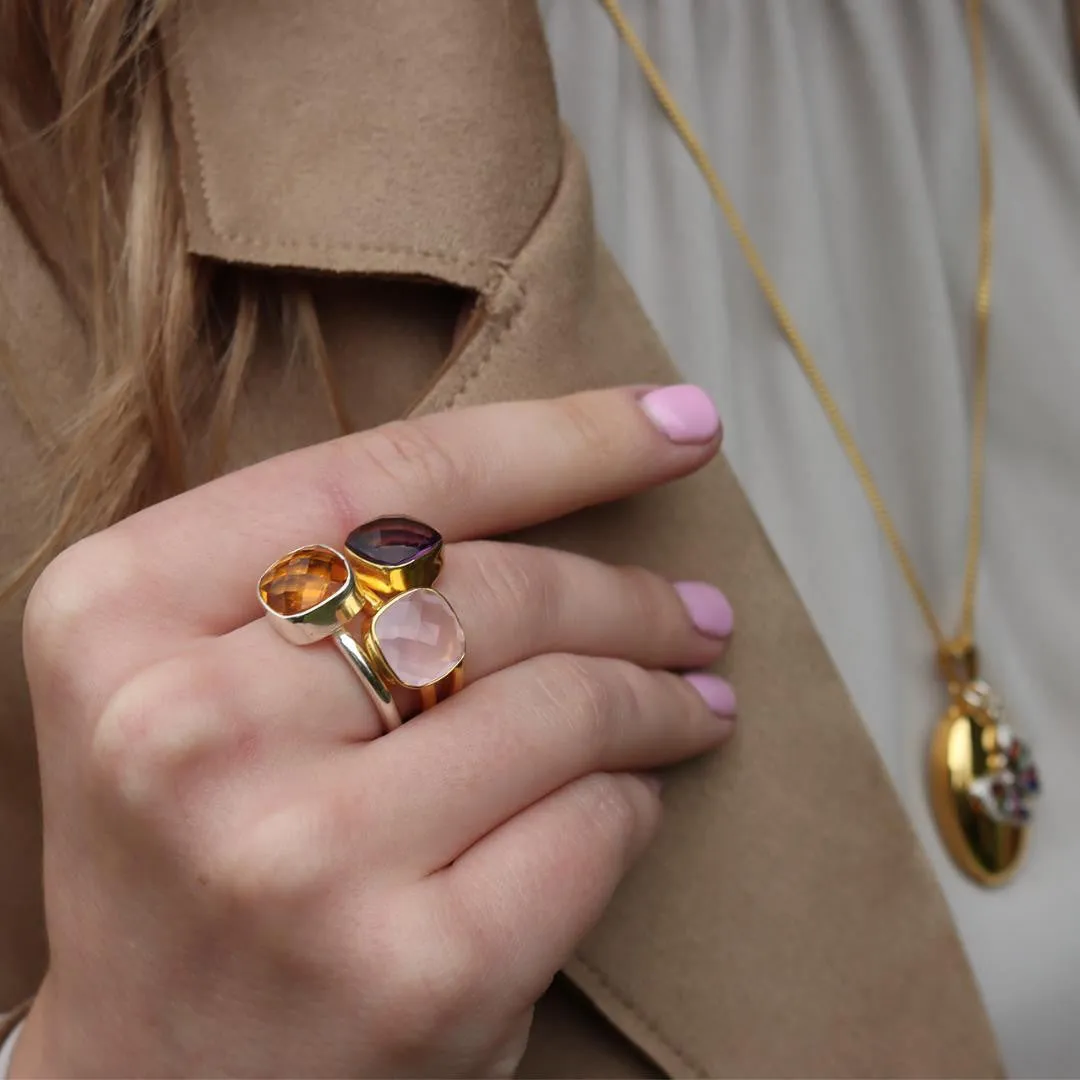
{"x":88,"y":165}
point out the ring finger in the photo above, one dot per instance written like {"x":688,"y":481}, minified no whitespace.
{"x":514,"y":602}
{"x":510,"y":741}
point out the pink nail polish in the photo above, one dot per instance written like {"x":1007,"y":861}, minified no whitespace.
{"x":707,"y":607}
{"x":717,"y":692}
{"x":685,"y":414}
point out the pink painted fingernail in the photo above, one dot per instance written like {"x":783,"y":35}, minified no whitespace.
{"x":685,"y":414}
{"x":717,"y":692}
{"x":707,"y":607}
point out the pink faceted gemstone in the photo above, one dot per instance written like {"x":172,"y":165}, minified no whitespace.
{"x":420,"y":637}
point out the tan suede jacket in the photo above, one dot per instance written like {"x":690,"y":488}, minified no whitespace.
{"x":410,"y":154}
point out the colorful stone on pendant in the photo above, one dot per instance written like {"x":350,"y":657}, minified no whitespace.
{"x":1005,"y":795}
{"x":980,"y":695}
{"x":393,"y":541}
{"x":302,"y":580}
{"x":419,"y":637}
{"x":983,"y":784}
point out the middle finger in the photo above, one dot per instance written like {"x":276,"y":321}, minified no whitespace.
{"x":514,"y":602}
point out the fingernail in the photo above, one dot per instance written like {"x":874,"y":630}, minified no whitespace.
{"x":707,"y":607}
{"x":685,"y":414}
{"x":717,"y":692}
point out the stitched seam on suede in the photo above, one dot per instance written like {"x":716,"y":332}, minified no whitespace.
{"x":196,"y":138}
{"x":317,"y":244}
{"x":499,"y":326}
{"x":650,"y":1025}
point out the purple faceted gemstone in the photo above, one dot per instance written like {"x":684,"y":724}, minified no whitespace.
{"x":393,"y":541}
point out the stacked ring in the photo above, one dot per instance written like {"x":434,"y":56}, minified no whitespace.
{"x":410,"y":636}
{"x":413,"y":636}
{"x":310,"y":595}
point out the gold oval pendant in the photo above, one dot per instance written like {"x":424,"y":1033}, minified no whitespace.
{"x":982,"y":781}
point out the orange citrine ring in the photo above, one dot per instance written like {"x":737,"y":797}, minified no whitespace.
{"x":310,"y":595}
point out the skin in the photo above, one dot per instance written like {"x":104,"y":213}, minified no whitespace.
{"x":241,"y":877}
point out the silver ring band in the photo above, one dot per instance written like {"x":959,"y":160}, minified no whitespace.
{"x":309,"y":595}
{"x":379,"y":692}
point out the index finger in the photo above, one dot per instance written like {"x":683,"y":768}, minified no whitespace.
{"x":470,"y":473}
{"x":187,"y":568}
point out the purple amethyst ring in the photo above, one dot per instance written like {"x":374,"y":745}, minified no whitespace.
{"x":411,"y":633}
{"x":391,"y":555}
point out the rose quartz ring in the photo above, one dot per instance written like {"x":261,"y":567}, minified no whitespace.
{"x":411,"y":634}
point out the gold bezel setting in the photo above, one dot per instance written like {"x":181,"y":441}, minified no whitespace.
{"x":329,"y":614}
{"x":391,"y":555}
{"x":391,"y":673}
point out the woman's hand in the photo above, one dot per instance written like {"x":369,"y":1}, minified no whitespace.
{"x":240,"y":878}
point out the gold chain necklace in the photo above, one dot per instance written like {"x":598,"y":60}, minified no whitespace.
{"x":982,"y":777}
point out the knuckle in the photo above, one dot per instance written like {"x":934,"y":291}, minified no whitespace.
{"x":42,"y":616}
{"x":571,"y":690}
{"x":66,"y":594}
{"x":151,"y":732}
{"x":596,"y":438}
{"x":510,"y":575}
{"x":614,"y":687}
{"x":647,"y":596}
{"x":519,"y":579}
{"x":589,"y":694}
{"x":428,"y":982}
{"x":281,"y":868}
{"x":617,"y":807}
{"x":548,"y":589}
{"x":406,"y":453}
{"x":447,"y":977}
{"x":67,"y":641}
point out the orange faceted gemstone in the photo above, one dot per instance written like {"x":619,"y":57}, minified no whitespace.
{"x":302,"y":580}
